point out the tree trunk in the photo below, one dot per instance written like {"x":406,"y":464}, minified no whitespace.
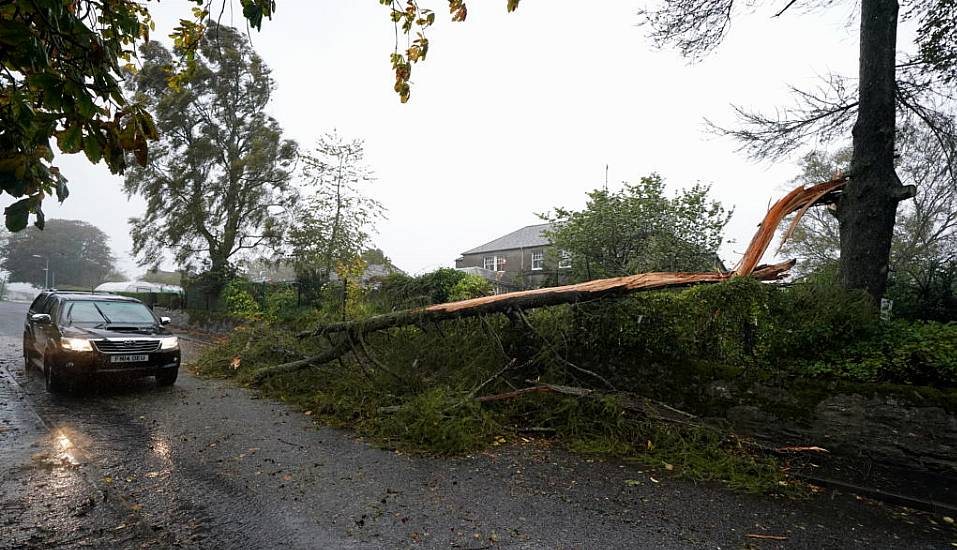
{"x":867,"y":209}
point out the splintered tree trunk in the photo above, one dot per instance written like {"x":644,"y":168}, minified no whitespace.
{"x":866,"y":211}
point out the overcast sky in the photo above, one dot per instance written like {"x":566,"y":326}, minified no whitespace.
{"x":513,"y":114}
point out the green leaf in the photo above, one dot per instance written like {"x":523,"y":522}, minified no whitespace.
{"x":84,"y":105}
{"x":17,"y":215}
{"x":92,"y":148}
{"x":71,"y":140}
{"x":62,"y":192}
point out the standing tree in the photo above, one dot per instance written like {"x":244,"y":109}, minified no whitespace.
{"x":639,"y":229}
{"x":887,"y":91}
{"x":333,"y":220}
{"x":217,"y":182}
{"x":78,"y":254}
{"x":923,"y":259}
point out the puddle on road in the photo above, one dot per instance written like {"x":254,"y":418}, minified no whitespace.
{"x":60,"y":455}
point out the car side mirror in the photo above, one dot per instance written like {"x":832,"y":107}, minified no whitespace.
{"x":41,"y":318}
{"x":165,"y":321}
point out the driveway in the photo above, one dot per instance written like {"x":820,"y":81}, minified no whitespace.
{"x":205,"y":464}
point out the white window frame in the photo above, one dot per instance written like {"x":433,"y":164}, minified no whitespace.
{"x":564,"y":259}
{"x":497,"y":262}
{"x":538,"y":260}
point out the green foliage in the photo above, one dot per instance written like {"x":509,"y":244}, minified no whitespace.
{"x":933,"y":298}
{"x":375,"y":256}
{"x":602,"y":426}
{"x":439,"y":284}
{"x":239,"y":302}
{"x":354,"y":303}
{"x":440,"y":421}
{"x":810,"y":318}
{"x":470,"y":286}
{"x":79,"y":255}
{"x":281,"y":302}
{"x":639,"y":229}
{"x":219,"y":177}
{"x":61,"y":80}
{"x":742,"y":321}
{"x":399,"y":291}
{"x":334,"y":218}
{"x":413,"y":387}
{"x":921,"y":352}
{"x":937,"y":37}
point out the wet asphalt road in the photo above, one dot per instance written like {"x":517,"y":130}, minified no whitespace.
{"x":207,"y":465}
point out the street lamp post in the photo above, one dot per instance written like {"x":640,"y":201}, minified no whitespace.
{"x":46,"y":270}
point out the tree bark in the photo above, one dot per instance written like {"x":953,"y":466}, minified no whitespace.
{"x":868,"y":206}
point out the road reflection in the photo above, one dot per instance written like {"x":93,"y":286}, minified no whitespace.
{"x":64,"y":447}
{"x":63,"y":458}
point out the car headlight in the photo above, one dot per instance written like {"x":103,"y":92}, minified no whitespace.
{"x":169,"y":342}
{"x":76,"y":344}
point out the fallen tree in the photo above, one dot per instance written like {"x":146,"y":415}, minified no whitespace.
{"x":350,"y":333}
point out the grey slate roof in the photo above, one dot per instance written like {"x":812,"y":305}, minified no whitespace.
{"x":526,"y":237}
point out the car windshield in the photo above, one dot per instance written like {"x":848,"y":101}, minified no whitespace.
{"x":107,"y":312}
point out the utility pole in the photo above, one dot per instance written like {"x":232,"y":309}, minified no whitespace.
{"x":46,"y":270}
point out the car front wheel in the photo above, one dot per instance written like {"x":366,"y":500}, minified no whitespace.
{"x":53,"y":379}
{"x":167,"y":378}
{"x":27,"y":362}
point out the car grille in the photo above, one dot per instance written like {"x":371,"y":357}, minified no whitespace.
{"x":126,"y":346}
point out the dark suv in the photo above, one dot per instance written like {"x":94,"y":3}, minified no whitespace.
{"x":76,"y":338}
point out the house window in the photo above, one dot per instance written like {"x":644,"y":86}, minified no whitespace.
{"x":564,"y":259}
{"x":538,"y":261}
{"x":494,"y":263}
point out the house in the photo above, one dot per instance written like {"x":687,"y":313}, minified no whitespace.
{"x":521,"y":259}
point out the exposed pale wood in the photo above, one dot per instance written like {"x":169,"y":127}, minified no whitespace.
{"x":798,"y":200}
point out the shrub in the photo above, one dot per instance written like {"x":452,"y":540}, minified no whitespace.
{"x":239,"y":302}
{"x":901,"y":352}
{"x":812,"y":318}
{"x":438,"y":284}
{"x":281,"y":302}
{"x":470,"y":286}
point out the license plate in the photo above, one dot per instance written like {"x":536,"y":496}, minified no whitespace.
{"x":128,"y":358}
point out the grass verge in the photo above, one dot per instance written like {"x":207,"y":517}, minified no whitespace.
{"x":417,"y":395}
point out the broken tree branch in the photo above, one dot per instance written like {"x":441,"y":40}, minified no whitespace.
{"x":330,"y":354}
{"x":543,"y":297}
{"x":798,"y":200}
